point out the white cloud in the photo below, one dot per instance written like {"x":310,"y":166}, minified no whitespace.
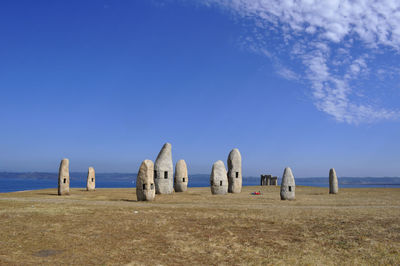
{"x":322,"y":35}
{"x":287,"y":73}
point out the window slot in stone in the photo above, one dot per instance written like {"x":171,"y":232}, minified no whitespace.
{"x":290,"y":188}
{"x":237,"y":174}
{"x":183,"y":179}
{"x":220,"y":183}
{"x":144,"y":186}
{"x":65,"y":180}
{"x":92,"y":179}
{"x":166,"y":174}
{"x":155,"y":174}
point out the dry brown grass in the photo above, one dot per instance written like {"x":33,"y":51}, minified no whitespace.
{"x":357,"y":226}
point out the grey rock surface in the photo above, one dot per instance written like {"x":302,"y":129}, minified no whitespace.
{"x":218,"y":178}
{"x":333,"y":182}
{"x":145,"y":188}
{"x":63,"y":178}
{"x":181,"y":178}
{"x":91,"y":180}
{"x":234,"y":171}
{"x":288,"y":185}
{"x":163,"y":171}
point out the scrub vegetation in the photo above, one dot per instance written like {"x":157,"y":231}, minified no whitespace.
{"x":109,"y":227}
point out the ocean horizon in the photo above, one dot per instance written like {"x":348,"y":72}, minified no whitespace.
{"x":12,"y":182}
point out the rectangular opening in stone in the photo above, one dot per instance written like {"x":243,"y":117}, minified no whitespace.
{"x":144,"y":186}
{"x":220,"y":183}
{"x":92,"y":179}
{"x":290,"y":189}
{"x":237,"y":174}
{"x":65,"y":180}
{"x":183,"y":179}
{"x":212,"y":182}
{"x":152,"y":186}
{"x":166,"y":174}
{"x":155,"y":174}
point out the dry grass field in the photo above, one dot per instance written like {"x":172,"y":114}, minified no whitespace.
{"x":109,"y":227}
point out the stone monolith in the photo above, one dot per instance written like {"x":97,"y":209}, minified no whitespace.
{"x":218,"y":178}
{"x":181,"y":178}
{"x":234,"y":171}
{"x":163,"y":171}
{"x":63,"y":178}
{"x":333,"y":182}
{"x":145,"y":188}
{"x":91,"y":180}
{"x":288,"y":186}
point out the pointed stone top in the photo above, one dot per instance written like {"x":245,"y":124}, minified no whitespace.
{"x":287,"y":178}
{"x":167,"y":145}
{"x":91,"y":168}
{"x":65,"y":160}
{"x":164,"y":158}
{"x":218,"y":169}
{"x":219,"y":164}
{"x":332,"y":171}
{"x":181,"y":164}
{"x":288,"y":172}
{"x":147,"y":163}
{"x":234,"y":155}
{"x":181,"y":169}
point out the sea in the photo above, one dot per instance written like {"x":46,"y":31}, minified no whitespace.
{"x":11,"y":182}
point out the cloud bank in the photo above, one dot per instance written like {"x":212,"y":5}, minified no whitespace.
{"x":337,"y":43}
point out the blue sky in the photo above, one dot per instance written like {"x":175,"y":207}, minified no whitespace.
{"x":306,"y":84}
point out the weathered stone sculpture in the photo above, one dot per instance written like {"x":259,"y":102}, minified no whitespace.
{"x":333,"y":182}
{"x":274,"y":181}
{"x":234,"y":171}
{"x":145,"y":189}
{"x":288,"y":186}
{"x":163,"y":171}
{"x":181,"y":178}
{"x":63,"y":178}
{"x":218,"y":178}
{"x":91,"y":180}
{"x":265,"y":180}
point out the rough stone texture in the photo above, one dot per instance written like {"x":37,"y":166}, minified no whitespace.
{"x":63,"y":178}
{"x":234,"y":171}
{"x":288,"y":186}
{"x":333,"y":182}
{"x":218,"y":178}
{"x":163,"y":171}
{"x":274,"y":181}
{"x":265,"y":180}
{"x":91,"y":180}
{"x":181,"y":178}
{"x":145,"y":188}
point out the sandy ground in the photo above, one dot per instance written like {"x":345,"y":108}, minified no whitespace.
{"x":109,"y":227}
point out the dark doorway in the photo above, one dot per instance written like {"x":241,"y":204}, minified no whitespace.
{"x":144,"y":186}
{"x":237,"y":174}
{"x":92,"y":179}
{"x":166,"y":174}
{"x":65,"y":180}
{"x":183,"y":179}
{"x":155,"y":174}
{"x":220,"y":183}
{"x":290,"y":189}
